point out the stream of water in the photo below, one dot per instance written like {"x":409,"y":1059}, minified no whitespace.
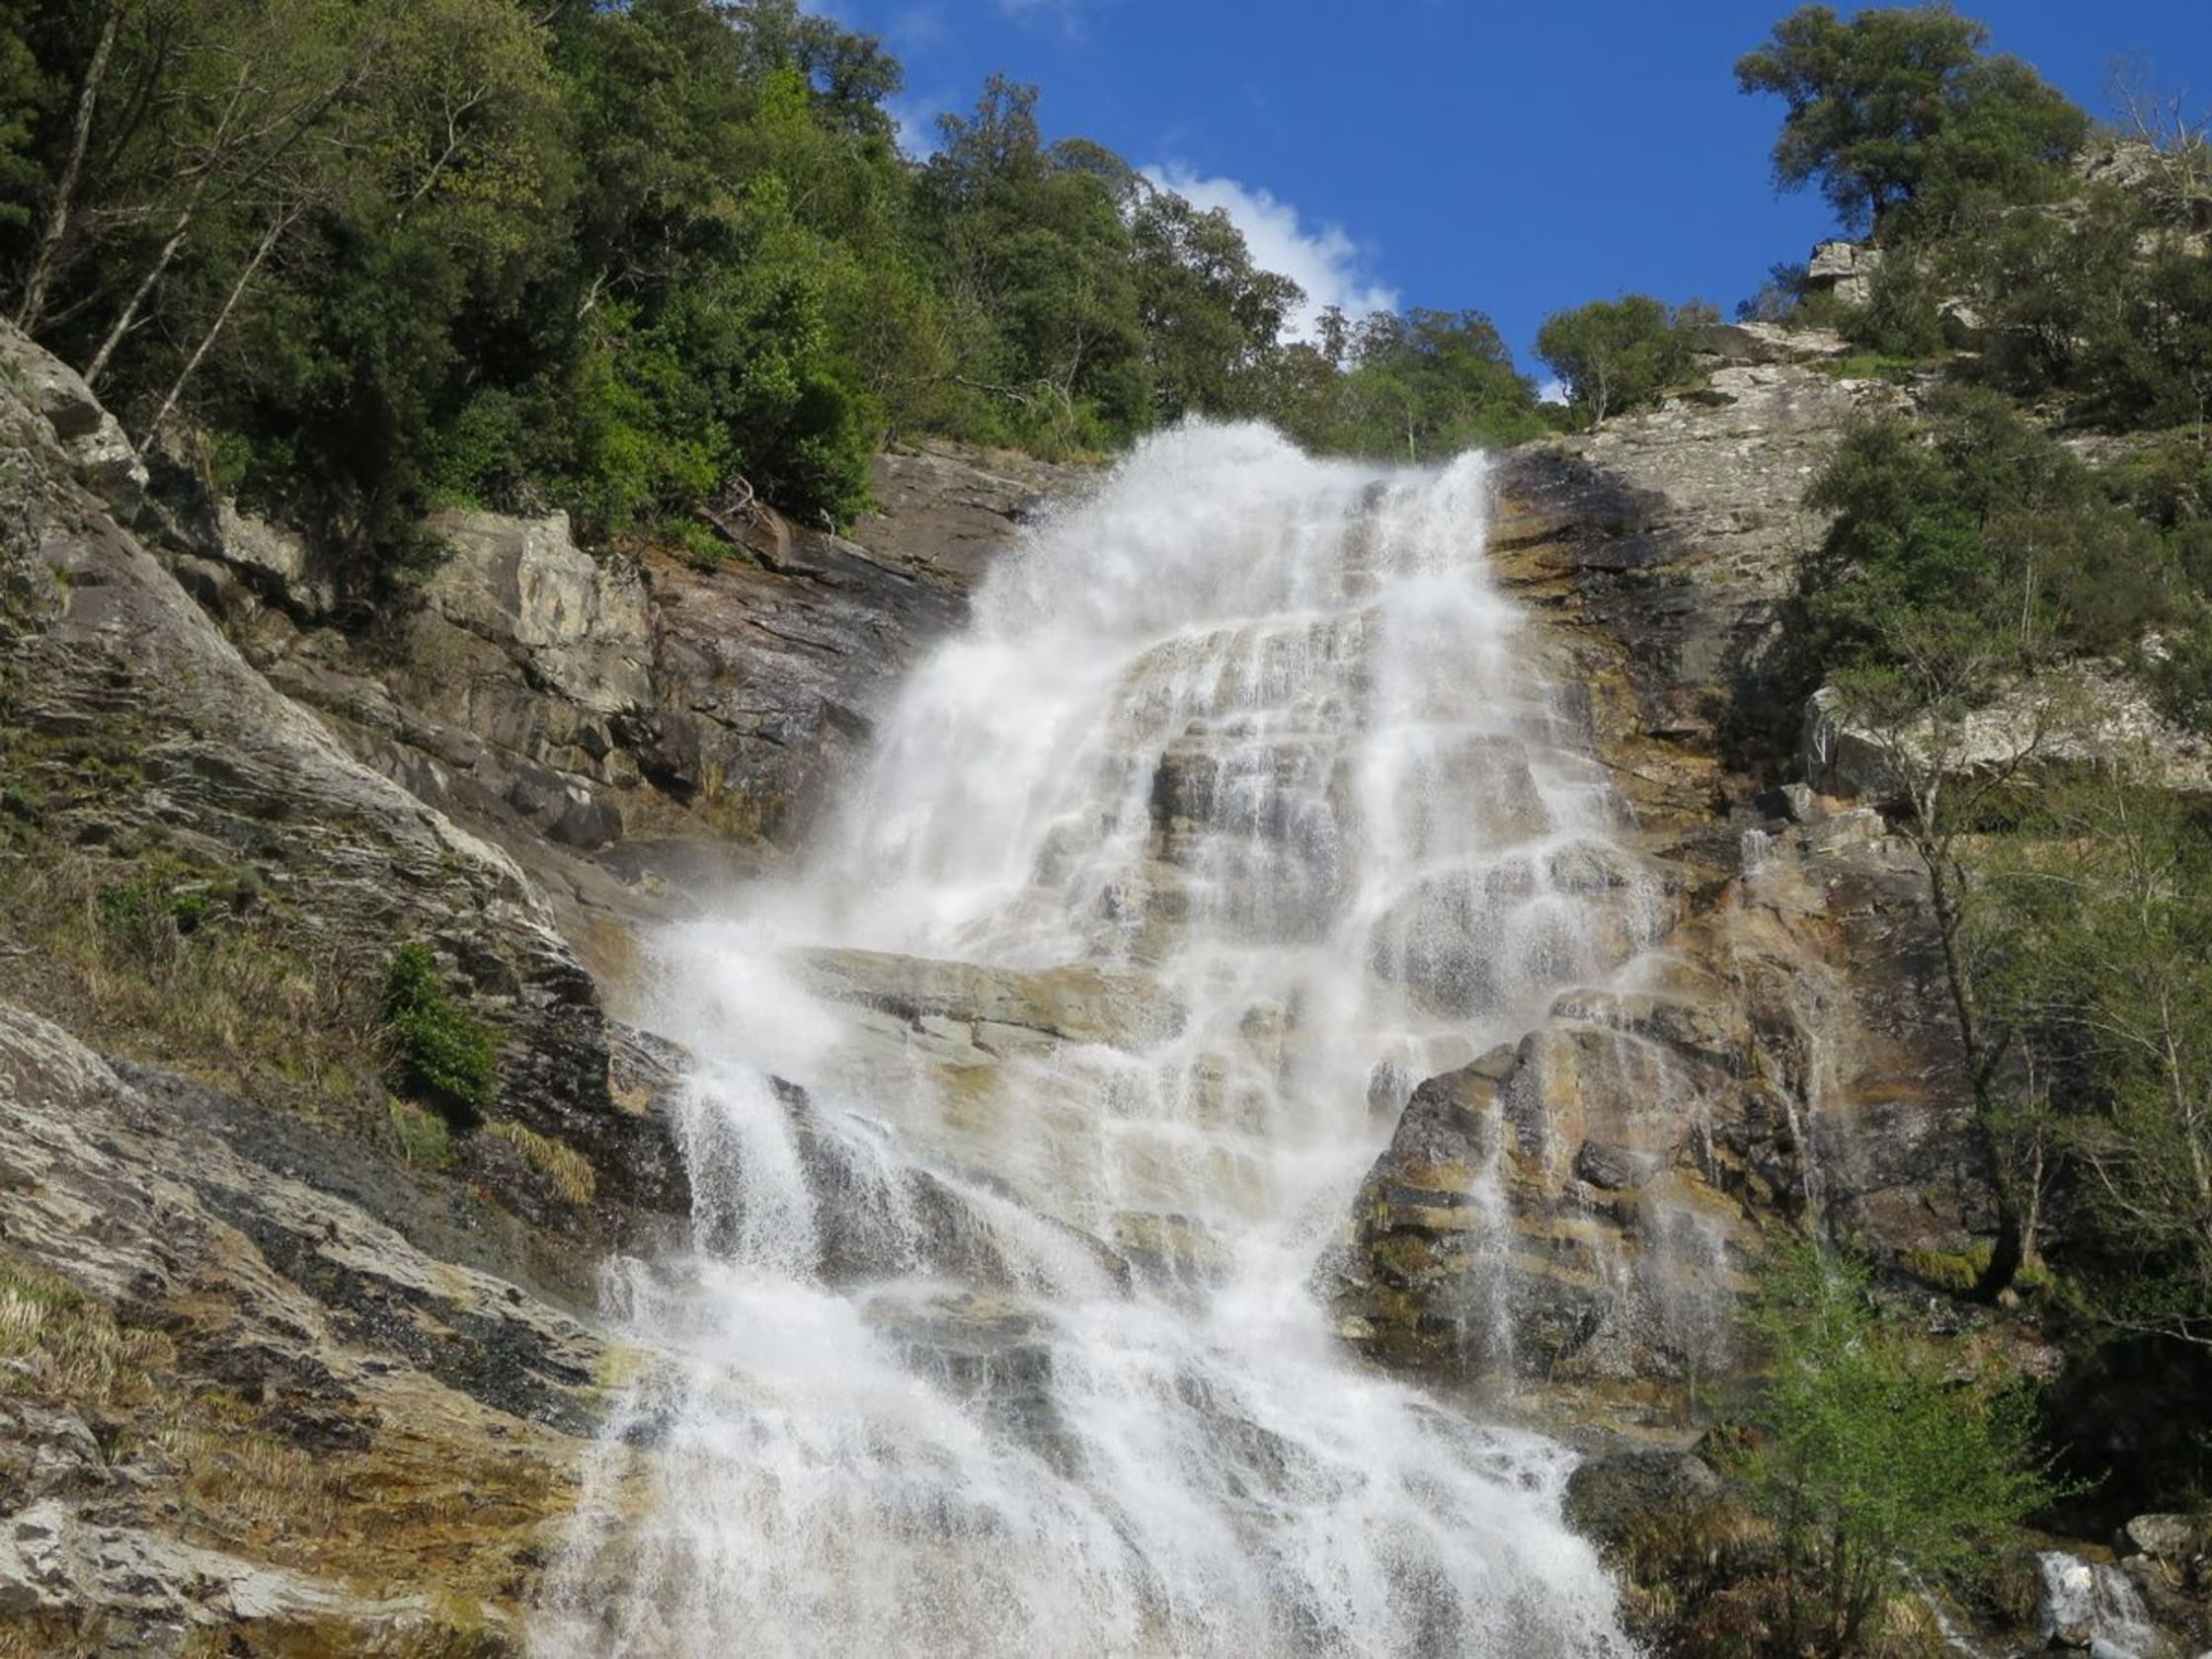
{"x":1022,"y":1115}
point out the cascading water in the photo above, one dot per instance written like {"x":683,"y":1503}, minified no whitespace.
{"x":1234,"y":812}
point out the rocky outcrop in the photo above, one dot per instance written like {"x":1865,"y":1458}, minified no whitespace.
{"x":46,"y":390}
{"x":1666,"y":543}
{"x":256,"y":1392}
{"x":133,"y":726}
{"x":1583,"y":1205}
{"x":291,"y":1368}
{"x":1844,"y":269}
{"x":625,"y":722}
{"x":2091,"y":718}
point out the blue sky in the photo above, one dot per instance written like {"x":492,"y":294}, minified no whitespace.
{"x":1515,"y":158}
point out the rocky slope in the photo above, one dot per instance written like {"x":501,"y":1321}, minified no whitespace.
{"x":270,"y":1343}
{"x":628,"y":727}
{"x":1781,"y":1059}
{"x":287,"y":1366}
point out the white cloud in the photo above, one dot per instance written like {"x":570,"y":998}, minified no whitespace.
{"x":914,"y":119}
{"x":1553,"y":390}
{"x":1321,"y":259}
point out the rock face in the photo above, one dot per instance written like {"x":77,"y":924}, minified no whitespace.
{"x":650,"y":718}
{"x":262,"y":1373}
{"x":47,"y":390}
{"x":1583,"y":1205}
{"x":1772,"y":1069}
{"x":132,"y":722}
{"x":1666,"y":542}
{"x":2097,"y":717}
{"x":284,"y":1369}
{"x":1844,"y":269}
{"x":238,"y":1402}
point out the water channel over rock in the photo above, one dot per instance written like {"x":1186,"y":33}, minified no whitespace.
{"x":1021,"y":1115}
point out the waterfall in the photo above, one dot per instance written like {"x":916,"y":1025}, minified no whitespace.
{"x":1021,"y":1117}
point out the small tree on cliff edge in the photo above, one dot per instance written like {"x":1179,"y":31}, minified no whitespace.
{"x":1617,"y":353}
{"x":1900,"y":111}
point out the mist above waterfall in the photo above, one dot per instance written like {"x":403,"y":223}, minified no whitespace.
{"x":1021,"y":1116}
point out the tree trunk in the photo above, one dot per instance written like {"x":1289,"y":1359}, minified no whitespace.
{"x":261,"y":250}
{"x":128,"y":318}
{"x":32,"y":310}
{"x":2009,"y":1252}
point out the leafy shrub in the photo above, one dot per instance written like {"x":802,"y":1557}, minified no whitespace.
{"x":1903,"y":314}
{"x":1974,"y":523}
{"x":440,"y":1054}
{"x":1877,"y":1457}
{"x":1619,"y":354}
{"x":424,"y":1141}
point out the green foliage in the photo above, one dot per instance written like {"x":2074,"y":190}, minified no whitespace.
{"x":1621,"y":355}
{"x":2105,"y":906}
{"x":426,"y":1140}
{"x":1978,"y":525}
{"x":1416,"y":387}
{"x":1903,"y":314}
{"x":1873,"y":366}
{"x":1211,"y":317}
{"x":1781,"y":298}
{"x":440,"y":1054}
{"x":1879,"y":1455}
{"x":625,"y":259}
{"x":23,"y":89}
{"x":1901,"y":119}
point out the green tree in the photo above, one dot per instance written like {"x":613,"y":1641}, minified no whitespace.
{"x":1211,"y":316}
{"x":1977,"y":523}
{"x":1619,"y":354}
{"x":1036,"y":259}
{"x":2151,"y":364}
{"x":1962,"y":559}
{"x":2105,"y":901}
{"x":1875,"y":1458}
{"x":1900,"y":111}
{"x":1418,"y":387}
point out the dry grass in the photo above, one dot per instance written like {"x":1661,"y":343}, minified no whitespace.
{"x":60,"y":1345}
{"x":250,"y":1487}
{"x":189,"y":971}
{"x":567,"y":1169}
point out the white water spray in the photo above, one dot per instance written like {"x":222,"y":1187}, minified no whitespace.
{"x":1236,"y":811}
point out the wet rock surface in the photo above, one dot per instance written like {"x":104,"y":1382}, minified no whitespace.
{"x":1583,"y":1205}
{"x":410,"y":1357}
{"x":629,"y":727}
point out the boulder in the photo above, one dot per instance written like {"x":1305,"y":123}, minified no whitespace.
{"x":1844,"y":269}
{"x":1738,"y":343}
{"x":2165,"y":1538}
{"x":91,"y":438}
{"x":1611,"y":1497}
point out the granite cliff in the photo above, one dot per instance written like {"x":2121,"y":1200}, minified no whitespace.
{"x":295,"y":1371}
